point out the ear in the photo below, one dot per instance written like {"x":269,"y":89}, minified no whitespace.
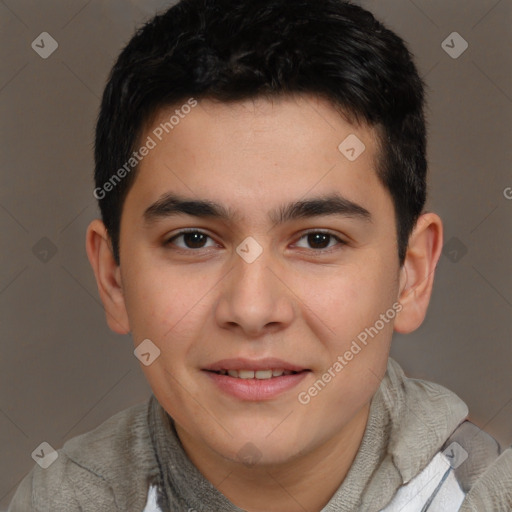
{"x":417,"y":272}
{"x":108,"y":276}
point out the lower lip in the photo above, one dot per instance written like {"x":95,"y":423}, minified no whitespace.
{"x":256,"y":389}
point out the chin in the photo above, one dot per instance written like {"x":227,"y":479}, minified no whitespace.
{"x":257,"y":450}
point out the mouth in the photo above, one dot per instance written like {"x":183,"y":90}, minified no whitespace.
{"x":262,"y":374}
{"x":253,"y":380}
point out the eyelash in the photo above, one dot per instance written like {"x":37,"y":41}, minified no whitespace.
{"x":169,"y":241}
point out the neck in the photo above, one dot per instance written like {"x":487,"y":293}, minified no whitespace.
{"x":307,"y":482}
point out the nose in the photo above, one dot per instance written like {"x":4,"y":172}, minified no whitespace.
{"x":255,"y":298}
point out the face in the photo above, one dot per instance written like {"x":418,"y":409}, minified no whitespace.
{"x":257,"y":285}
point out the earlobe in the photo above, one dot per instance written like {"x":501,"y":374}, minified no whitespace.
{"x":417,"y":272}
{"x":108,"y":276}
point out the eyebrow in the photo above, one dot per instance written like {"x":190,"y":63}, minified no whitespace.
{"x":169,"y":205}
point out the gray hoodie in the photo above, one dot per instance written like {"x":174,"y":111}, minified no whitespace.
{"x":417,"y":454}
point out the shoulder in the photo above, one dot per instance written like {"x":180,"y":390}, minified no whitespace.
{"x":106,"y":469}
{"x":471,"y":451}
{"x":124,"y":435}
{"x":485,"y":474}
{"x":493,"y":489}
{"x":469,"y":474}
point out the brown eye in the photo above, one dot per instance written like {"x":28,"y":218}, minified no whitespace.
{"x":192,"y":239}
{"x":319,"y":240}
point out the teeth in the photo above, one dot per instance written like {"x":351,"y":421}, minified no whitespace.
{"x":258,"y":374}
{"x":263,"y":374}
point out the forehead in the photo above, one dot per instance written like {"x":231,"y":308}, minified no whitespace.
{"x":305,"y":122}
{"x":250,"y":152}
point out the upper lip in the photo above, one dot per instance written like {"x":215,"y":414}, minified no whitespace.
{"x":253,"y":364}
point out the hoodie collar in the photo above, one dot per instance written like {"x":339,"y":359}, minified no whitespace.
{"x":423,"y":415}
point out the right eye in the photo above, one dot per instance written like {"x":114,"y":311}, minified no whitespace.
{"x":193,"y":240}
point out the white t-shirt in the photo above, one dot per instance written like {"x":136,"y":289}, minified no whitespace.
{"x":435,"y":487}
{"x":151,"y":504}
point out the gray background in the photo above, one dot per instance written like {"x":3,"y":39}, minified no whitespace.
{"x":62,"y":372}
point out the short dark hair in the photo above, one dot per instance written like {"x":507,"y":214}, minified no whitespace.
{"x":232,"y":50}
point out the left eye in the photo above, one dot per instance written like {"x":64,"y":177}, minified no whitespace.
{"x":320,"y":238}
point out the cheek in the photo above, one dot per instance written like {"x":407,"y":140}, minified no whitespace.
{"x":347,"y":305}
{"x":347,"y":297}
{"x":167,"y":304}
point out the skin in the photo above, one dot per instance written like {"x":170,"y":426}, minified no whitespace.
{"x":300,"y":302}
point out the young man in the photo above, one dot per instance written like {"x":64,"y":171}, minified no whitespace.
{"x":260,"y":169}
